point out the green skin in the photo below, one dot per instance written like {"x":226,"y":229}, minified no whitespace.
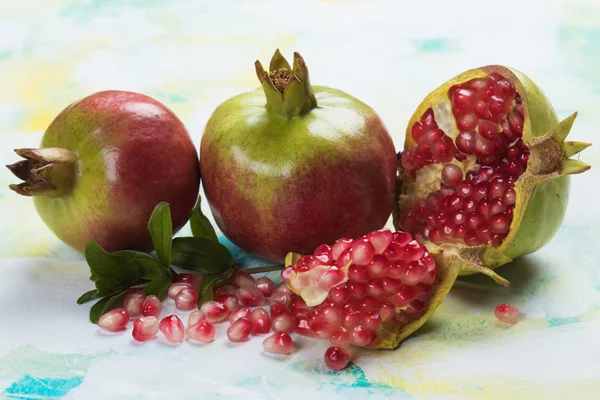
{"x":279,"y":183}
{"x":131,"y":153}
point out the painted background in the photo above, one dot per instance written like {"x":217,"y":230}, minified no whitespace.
{"x":191,"y":55}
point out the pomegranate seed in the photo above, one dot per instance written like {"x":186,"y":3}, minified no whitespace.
{"x":361,"y":336}
{"x":286,"y":273}
{"x":339,"y":294}
{"x":504,"y":89}
{"x":114,"y":320}
{"x":280,"y":297}
{"x":378,"y":267}
{"x":358,"y":274}
{"x":413,"y":251}
{"x":401,"y":238}
{"x":303,"y":329}
{"x":133,"y":303}
{"x":463,"y":99}
{"x":225,"y":290}
{"x":417,"y":131}
{"x":203,"y":332}
{"x":191,"y":279}
{"x":243,"y":312}
{"x":176,"y":287}
{"x":261,"y":321}
{"x":510,"y":196}
{"x":500,"y":223}
{"x":186,"y":299}
{"x":465,"y":142}
{"x":372,"y":321}
{"x":196,"y":317}
{"x":483,"y":208}
{"x":432,"y":136}
{"x":362,"y":252}
{"x":484,"y":233}
{"x":266,"y":286}
{"x":390,"y":286}
{"x":340,"y":246}
{"x":241,"y":278}
{"x":239,"y":330}
{"x":337,"y":358}
{"x":151,"y":306}
{"x":404,"y":295}
{"x":464,"y":189}
{"x":352,"y":317}
{"x":357,"y":289}
{"x":344,"y":259}
{"x":487,"y":129}
{"x":279,"y":343}
{"x":215,"y":311}
{"x":380,"y":239}
{"x":145,"y":328}
{"x":340,"y":337}
{"x":298,"y":303}
{"x":452,"y":175}
{"x":249,"y":296}
{"x":466,"y":122}
{"x":172,"y":328}
{"x":278,"y":309}
{"x":230,"y":302}
{"x":483,"y":147}
{"x":471,"y":239}
{"x":375,"y":288}
{"x":323,"y":252}
{"x":415,"y":272}
{"x":507,"y":313}
{"x":283,"y":323}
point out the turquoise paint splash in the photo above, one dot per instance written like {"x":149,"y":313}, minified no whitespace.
{"x":30,"y":387}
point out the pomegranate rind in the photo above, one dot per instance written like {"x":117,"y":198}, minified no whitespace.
{"x":542,"y":190}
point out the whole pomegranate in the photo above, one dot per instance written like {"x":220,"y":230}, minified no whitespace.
{"x":291,"y":166}
{"x":484,"y":176}
{"x":105,"y":162}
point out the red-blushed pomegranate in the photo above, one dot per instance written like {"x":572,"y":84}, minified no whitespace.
{"x":145,"y":328}
{"x":289,"y":166}
{"x":133,"y":303}
{"x":186,"y":299}
{"x":151,"y":307}
{"x":203,"y":332}
{"x":279,"y":343}
{"x":105,"y":162}
{"x":195,"y":317}
{"x":114,"y":321}
{"x":507,"y":313}
{"x":372,"y":291}
{"x":484,"y":173}
{"x":337,"y":358}
{"x":240,"y":330}
{"x":172,"y":328}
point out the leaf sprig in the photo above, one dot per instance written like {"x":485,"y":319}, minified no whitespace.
{"x":121,"y":272}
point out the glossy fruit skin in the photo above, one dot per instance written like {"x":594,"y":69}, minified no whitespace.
{"x":132,"y":153}
{"x":277,"y":184}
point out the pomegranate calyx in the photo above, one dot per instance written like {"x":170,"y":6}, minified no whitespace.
{"x":48,"y":172}
{"x":287,"y":89}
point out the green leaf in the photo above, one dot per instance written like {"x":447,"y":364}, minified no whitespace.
{"x":106,"y":265}
{"x":133,"y":255}
{"x":107,"y":286}
{"x":158,"y":287}
{"x":206,"y":290}
{"x":161,"y":231}
{"x":201,"y":226}
{"x":145,"y":262}
{"x":106,"y":304}
{"x":88,"y":296}
{"x":200,"y":255}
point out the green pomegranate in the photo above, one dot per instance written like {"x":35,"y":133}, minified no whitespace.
{"x":290,"y":166}
{"x":105,"y":162}
{"x":484,"y":176}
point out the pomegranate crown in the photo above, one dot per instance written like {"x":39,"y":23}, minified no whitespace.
{"x":287,"y":89}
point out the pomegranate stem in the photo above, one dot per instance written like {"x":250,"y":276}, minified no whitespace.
{"x":266,"y":268}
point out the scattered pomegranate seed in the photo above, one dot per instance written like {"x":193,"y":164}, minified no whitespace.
{"x":114,"y":320}
{"x":215,"y":311}
{"x":241,"y":278}
{"x":507,"y":313}
{"x":337,"y":358}
{"x":145,"y":328}
{"x":151,"y":307}
{"x":249,"y":296}
{"x":279,"y":343}
{"x":176,"y":287}
{"x":278,"y":309}
{"x":230,"y":302}
{"x":261,"y":321}
{"x":203,"y":332}
{"x":133,"y":303}
{"x":172,"y":328}
{"x":280,"y":297}
{"x":283,"y":323}
{"x":186,"y":299}
{"x":191,"y":279}
{"x":243,"y":312}
{"x":239,"y":330}
{"x":195,"y":317}
{"x":266,"y":286}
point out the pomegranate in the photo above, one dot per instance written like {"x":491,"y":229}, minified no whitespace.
{"x":291,"y":166}
{"x":105,"y":162}
{"x":372,"y":291}
{"x":484,"y":176}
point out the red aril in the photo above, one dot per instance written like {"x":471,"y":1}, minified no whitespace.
{"x":261,"y":321}
{"x":214,"y":311}
{"x":337,"y":358}
{"x":114,"y":320}
{"x":203,"y":332}
{"x":279,"y":343}
{"x":133,"y":303}
{"x":172,"y":328}
{"x":195,"y":317}
{"x":145,"y":328}
{"x":507,"y":313}
{"x":176,"y":287}
{"x":186,"y":299}
{"x":151,"y":307}
{"x":243,"y":312}
{"x":239,"y":331}
{"x":265,"y":285}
